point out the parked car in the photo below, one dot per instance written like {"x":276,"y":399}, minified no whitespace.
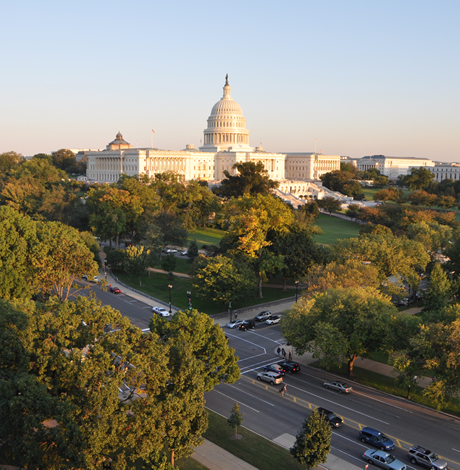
{"x":160,"y":311}
{"x":247,"y":325}
{"x":263,"y":316}
{"x":274,"y":368}
{"x":341,"y":387}
{"x":273,"y":319}
{"x":376,"y":438}
{"x":289,"y":366}
{"x":383,"y":459}
{"x":234,"y":323}
{"x":170,"y":250}
{"x":271,"y":377}
{"x":184,"y":253}
{"x":426,"y":458}
{"x":334,"y":420}
{"x":114,"y":290}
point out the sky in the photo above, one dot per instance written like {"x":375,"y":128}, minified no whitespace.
{"x":355,"y":77}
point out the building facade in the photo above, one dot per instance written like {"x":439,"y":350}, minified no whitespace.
{"x":446,"y":171}
{"x":226,"y":142}
{"x":393,"y":166}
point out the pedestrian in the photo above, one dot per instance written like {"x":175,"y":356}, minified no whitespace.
{"x":278,"y":350}
{"x":283,"y":390}
{"x":290,"y":356}
{"x":283,"y":352}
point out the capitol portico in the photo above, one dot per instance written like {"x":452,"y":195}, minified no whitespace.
{"x":225,"y":142}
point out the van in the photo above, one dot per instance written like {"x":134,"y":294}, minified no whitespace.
{"x":376,"y":438}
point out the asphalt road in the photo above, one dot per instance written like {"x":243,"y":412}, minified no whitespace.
{"x":273,"y":416}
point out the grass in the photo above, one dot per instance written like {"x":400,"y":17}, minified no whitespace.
{"x":157,"y":286}
{"x":210,"y":236}
{"x":335,"y":228}
{"x":252,"y":448}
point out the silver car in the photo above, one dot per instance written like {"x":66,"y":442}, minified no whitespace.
{"x":271,"y":377}
{"x":234,"y":323}
{"x":341,"y":387}
{"x":383,"y":459}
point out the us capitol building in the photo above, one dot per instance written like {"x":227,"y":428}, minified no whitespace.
{"x":225,"y":142}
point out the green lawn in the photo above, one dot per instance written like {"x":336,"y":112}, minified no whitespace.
{"x":335,"y":228}
{"x":157,"y":286}
{"x":252,"y":448}
{"x":210,"y":236}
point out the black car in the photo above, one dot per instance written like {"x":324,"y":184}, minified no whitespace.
{"x":334,"y":420}
{"x":247,"y":325}
{"x":289,"y":367}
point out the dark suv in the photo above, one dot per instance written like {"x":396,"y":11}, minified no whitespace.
{"x":247,"y":325}
{"x":422,"y":456}
{"x":331,"y":417}
{"x":376,"y":438}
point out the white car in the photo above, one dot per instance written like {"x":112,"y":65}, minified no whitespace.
{"x":234,"y":323}
{"x":273,"y":320}
{"x":170,"y":250}
{"x":160,"y":311}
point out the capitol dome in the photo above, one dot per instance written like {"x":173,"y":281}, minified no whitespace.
{"x":226,"y":126}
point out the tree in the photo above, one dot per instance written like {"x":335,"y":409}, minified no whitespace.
{"x":389,"y":194}
{"x":9,"y":160}
{"x":171,"y":229}
{"x":192,"y":251}
{"x":65,"y":160}
{"x":251,"y":179}
{"x":330,"y":204}
{"x":340,"y":324}
{"x":440,"y":289}
{"x":419,"y":178}
{"x":313,"y":441}
{"x":59,"y":358}
{"x":353,"y":211}
{"x":235,"y":419}
{"x":59,"y":258}
{"x":216,"y":360}
{"x":222,"y":279}
{"x":137,"y":259}
{"x":169,"y":263}
{"x":342,"y":181}
{"x":249,"y":220}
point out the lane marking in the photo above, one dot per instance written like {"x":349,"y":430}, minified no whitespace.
{"x":251,"y":357}
{"x":252,"y":396}
{"x":247,"y":341}
{"x":239,"y":402}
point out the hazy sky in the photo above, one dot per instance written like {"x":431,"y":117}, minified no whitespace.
{"x":362,"y":77}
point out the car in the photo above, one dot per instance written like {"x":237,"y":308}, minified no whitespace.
{"x":234,"y":324}
{"x":334,"y":420}
{"x":341,"y":387}
{"x":273,"y":319}
{"x":184,"y":253}
{"x":271,"y":377}
{"x":274,"y":368}
{"x":289,"y":366}
{"x":114,"y":290}
{"x":383,"y":459}
{"x":171,"y":250}
{"x":247,"y":325}
{"x":160,"y":311}
{"x":95,"y":279}
{"x":263,"y":316}
{"x":376,"y":438}
{"x":426,"y":458}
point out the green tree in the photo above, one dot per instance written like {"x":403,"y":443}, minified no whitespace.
{"x":250,"y":179}
{"x":8,"y":161}
{"x":313,"y":441}
{"x":389,"y":194}
{"x":340,"y":325}
{"x":440,"y":289}
{"x":222,"y":279}
{"x":419,"y":178}
{"x":343,"y":182}
{"x":168,"y":264}
{"x":171,"y":229}
{"x":330,"y":204}
{"x":249,"y":220}
{"x":137,"y":259}
{"x":353,"y":211}
{"x":78,"y":371}
{"x":65,"y":160}
{"x":216,"y":361}
{"x":192,"y":251}
{"x":235,"y":419}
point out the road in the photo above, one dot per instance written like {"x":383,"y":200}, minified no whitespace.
{"x":279,"y":418}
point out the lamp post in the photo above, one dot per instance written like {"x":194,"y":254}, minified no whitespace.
{"x":230,"y":309}
{"x":408,"y":388}
{"x":189,"y":295}
{"x":170,"y":290}
{"x":296,"y":286}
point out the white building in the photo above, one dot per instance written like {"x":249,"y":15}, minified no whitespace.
{"x":446,"y":171}
{"x":392,"y":166}
{"x":226,"y":142}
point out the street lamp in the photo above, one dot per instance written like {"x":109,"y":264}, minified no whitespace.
{"x":170,"y":290}
{"x":408,"y":388}
{"x":230,"y":309}
{"x":296,"y":286}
